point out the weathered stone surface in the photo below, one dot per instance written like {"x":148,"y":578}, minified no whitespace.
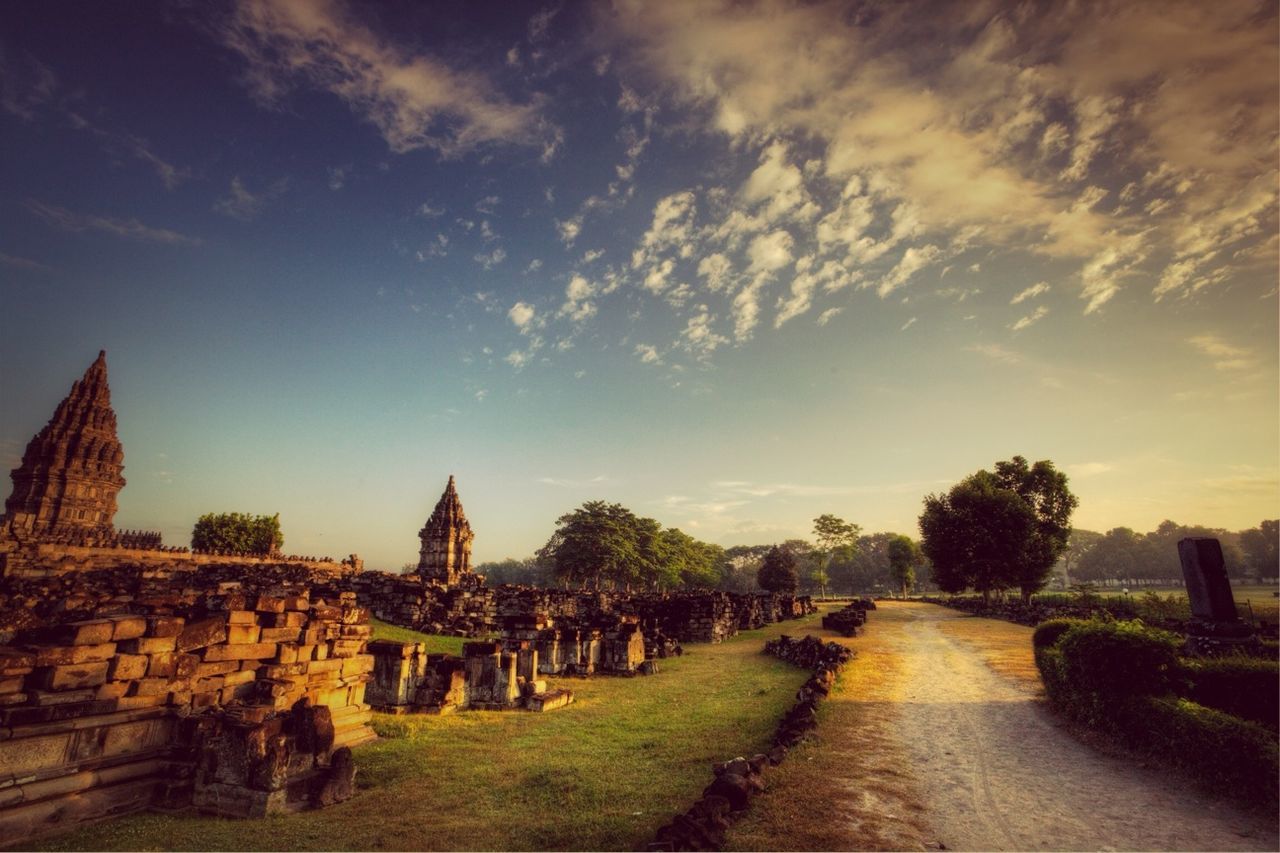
{"x":72,"y":676}
{"x":445,"y":556}
{"x":205,"y":632}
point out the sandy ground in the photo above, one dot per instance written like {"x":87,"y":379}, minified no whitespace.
{"x":999,"y":773}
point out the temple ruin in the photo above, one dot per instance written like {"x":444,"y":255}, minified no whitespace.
{"x":445,"y":556}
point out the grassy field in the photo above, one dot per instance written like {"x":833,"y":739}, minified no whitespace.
{"x":849,"y":786}
{"x":601,"y":774}
{"x":434,"y":642}
{"x":1262,"y":600}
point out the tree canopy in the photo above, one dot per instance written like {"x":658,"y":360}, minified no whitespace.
{"x":238,"y":532}
{"x":998,"y":530}
{"x":1123,"y":554}
{"x":778,"y":571}
{"x":904,"y":556}
{"x":607,"y":545}
{"x":837,"y":540}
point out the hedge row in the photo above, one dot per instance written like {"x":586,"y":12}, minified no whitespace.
{"x":1126,"y":679}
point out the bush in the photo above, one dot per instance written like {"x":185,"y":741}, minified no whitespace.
{"x":1217,"y":748}
{"x":1118,"y":659}
{"x":1047,"y":633}
{"x":1248,"y":688}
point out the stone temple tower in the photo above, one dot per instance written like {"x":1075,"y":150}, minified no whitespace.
{"x":71,"y":472}
{"x":446,"y":542}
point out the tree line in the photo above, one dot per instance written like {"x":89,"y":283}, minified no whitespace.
{"x":1127,"y":556}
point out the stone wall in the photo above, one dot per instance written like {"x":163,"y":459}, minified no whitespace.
{"x":95,"y":714}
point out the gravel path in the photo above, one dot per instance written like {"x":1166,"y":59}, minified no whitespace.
{"x":999,"y":773}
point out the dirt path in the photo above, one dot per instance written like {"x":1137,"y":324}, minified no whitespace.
{"x":999,"y":773}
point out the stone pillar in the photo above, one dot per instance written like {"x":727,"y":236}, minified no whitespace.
{"x":1207,"y":585}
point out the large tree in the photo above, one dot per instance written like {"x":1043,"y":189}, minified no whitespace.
{"x":778,"y":571}
{"x":1044,"y":489}
{"x":593,"y":544}
{"x":904,"y":556}
{"x":237,"y":531}
{"x":976,"y":535}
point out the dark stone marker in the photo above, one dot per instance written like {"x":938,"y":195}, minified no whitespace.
{"x":1206,"y":577}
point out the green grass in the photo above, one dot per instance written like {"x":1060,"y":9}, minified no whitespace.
{"x":601,"y":774}
{"x":1260,"y":598}
{"x":434,"y":642}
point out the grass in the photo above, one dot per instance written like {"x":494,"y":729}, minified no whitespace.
{"x":601,"y":774}
{"x":848,"y":787}
{"x":434,"y":642}
{"x":1260,"y":597}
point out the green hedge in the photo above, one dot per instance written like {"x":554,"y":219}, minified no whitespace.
{"x":1244,"y":687}
{"x":1122,"y":677}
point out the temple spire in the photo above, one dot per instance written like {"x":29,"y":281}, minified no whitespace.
{"x":71,"y":471}
{"x":445,"y":555}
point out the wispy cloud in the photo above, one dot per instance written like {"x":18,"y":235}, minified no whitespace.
{"x":23,"y":263}
{"x":129,"y":228}
{"x":1034,"y":317}
{"x":1080,"y":470}
{"x":243,"y":204}
{"x":1038,"y":289}
{"x":414,"y":99}
{"x":995,"y":352}
{"x":1225,"y":356}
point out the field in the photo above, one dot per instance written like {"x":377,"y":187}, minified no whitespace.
{"x":1258,"y":601}
{"x":601,"y":774}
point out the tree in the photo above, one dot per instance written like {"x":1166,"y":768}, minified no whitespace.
{"x":778,"y":571}
{"x":976,"y":535}
{"x":595,"y":543}
{"x":1044,"y":489}
{"x":904,"y":556}
{"x":238,"y":532}
{"x":528,"y":572}
{"x":832,"y":534}
{"x":739,"y":567}
{"x":1262,"y":548}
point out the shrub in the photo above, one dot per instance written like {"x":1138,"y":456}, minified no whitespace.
{"x":1248,"y":688}
{"x":1048,"y":633}
{"x":1218,"y":748}
{"x":1118,"y":659}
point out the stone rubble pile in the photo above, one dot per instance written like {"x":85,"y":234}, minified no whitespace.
{"x":848,"y":620}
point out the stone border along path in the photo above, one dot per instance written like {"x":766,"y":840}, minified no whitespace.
{"x":703,"y":825}
{"x":1000,"y":772}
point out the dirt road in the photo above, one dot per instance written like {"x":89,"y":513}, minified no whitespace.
{"x":999,"y":773}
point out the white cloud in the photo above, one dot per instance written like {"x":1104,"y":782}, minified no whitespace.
{"x":995,"y":352}
{"x":23,"y":263}
{"x":492,"y":259}
{"x":578,"y":306}
{"x":907,"y":325}
{"x":1037,"y":289}
{"x":569,"y":229}
{"x":241,"y":203}
{"x":913,"y":260}
{"x":338,"y":177}
{"x":1088,"y":469}
{"x":827,"y":316}
{"x":1035,"y":316}
{"x":716,"y":269}
{"x":128,"y":228}
{"x":415,"y":100}
{"x":430,"y":212}
{"x":1225,"y":356}
{"x":698,"y":336}
{"x":522,"y":316}
{"x":648,"y":354}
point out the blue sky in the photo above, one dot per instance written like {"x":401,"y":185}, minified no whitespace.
{"x":733,"y":265}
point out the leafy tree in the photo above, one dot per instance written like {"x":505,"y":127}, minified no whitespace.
{"x":739,"y":567}
{"x":833,"y":534}
{"x":1119,"y":554}
{"x":236,"y":531}
{"x":976,"y":535}
{"x":1261,"y":546}
{"x":1078,"y":544}
{"x":528,"y":572}
{"x":595,"y":543}
{"x":778,"y":571}
{"x":1044,"y":489}
{"x":904,"y":556}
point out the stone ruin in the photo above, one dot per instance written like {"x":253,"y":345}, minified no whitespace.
{"x":135,"y":675}
{"x":850,"y":618}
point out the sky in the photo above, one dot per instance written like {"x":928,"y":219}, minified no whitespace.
{"x":731,"y":264}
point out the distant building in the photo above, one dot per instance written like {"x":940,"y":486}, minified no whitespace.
{"x":445,"y":556}
{"x":66,"y":487}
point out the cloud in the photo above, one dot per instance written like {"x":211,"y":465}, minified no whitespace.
{"x":1088,"y":469}
{"x":1225,"y":356}
{"x":908,"y":324}
{"x":129,"y":228}
{"x":240,"y":203}
{"x":437,"y":248}
{"x":995,"y":352}
{"x":523,"y":316}
{"x":1038,"y":289}
{"x":578,"y":306}
{"x":698,"y":336}
{"x":648,"y":354}
{"x":338,"y":177}
{"x":827,"y":316}
{"x":492,"y":259}
{"x":1035,"y":316}
{"x":430,"y":212}
{"x":1003,"y":134}
{"x":23,"y":263}
{"x":414,"y":99}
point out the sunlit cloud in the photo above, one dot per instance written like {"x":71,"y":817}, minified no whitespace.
{"x":128,"y":228}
